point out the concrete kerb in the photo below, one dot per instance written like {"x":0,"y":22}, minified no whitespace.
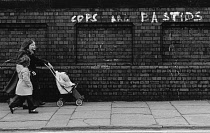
{"x":88,"y":128}
{"x":154,"y":127}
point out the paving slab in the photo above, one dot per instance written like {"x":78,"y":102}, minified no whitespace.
{"x":91,"y":114}
{"x":91,"y":108}
{"x":158,"y":102}
{"x":4,"y":107}
{"x":190,"y":103}
{"x":59,"y":120}
{"x":88,"y":122}
{"x":123,"y":104}
{"x":165,"y":114}
{"x":77,"y":123}
{"x":198,"y":119}
{"x":97,"y":122}
{"x":25,"y":116}
{"x":68,"y":107}
{"x":23,"y":125}
{"x":131,"y":111}
{"x":172,"y":121}
{"x":189,"y":109}
{"x":3,"y":114}
{"x":160,"y":105}
{"x":97,"y":104}
{"x":132,"y":120}
{"x":65,"y":111}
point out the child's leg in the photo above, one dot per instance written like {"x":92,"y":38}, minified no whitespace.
{"x":30,"y":102}
{"x":17,"y":100}
{"x":31,"y":107}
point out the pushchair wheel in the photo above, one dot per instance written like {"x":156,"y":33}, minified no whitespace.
{"x":60,"y":103}
{"x":79,"y":102}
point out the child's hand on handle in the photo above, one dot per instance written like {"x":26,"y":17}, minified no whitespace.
{"x":34,"y":73}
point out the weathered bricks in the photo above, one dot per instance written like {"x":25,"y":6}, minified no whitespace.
{"x":124,"y":60}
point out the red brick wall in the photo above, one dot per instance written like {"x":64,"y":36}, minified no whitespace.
{"x":118,"y":54}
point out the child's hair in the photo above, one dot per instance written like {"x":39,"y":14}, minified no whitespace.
{"x":24,"y":60}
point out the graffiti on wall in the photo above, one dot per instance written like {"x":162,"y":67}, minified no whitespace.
{"x":153,"y":17}
{"x":120,"y":18}
{"x":87,"y":18}
{"x":171,"y":16}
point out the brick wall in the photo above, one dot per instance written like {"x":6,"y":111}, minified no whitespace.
{"x":114,"y":53}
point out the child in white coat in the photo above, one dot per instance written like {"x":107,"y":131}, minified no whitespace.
{"x":24,"y":86}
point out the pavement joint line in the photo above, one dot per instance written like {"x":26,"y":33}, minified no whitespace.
{"x":52,"y":116}
{"x":4,"y":116}
{"x":180,"y":113}
{"x":151,"y":113}
{"x":86,"y":122}
{"x":110,"y":122}
{"x":71,"y":115}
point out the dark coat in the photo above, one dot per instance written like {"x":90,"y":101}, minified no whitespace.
{"x":11,"y":85}
{"x":32,"y":67}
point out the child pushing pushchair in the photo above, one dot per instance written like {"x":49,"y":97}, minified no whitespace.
{"x":65,"y":86}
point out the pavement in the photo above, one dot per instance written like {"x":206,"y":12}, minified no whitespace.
{"x":110,"y":115}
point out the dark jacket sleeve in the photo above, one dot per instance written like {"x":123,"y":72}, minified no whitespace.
{"x":38,"y":61}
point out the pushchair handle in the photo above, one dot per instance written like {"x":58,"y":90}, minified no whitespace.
{"x":75,"y":86}
{"x":49,"y":66}
{"x":54,"y":74}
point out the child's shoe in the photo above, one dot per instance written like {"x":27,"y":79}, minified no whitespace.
{"x":33,"y":111}
{"x":12,"y":109}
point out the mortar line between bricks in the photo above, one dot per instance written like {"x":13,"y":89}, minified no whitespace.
{"x":180,"y":113}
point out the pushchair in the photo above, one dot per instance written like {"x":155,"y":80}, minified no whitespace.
{"x":65,"y":90}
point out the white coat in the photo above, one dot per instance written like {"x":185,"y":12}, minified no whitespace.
{"x":24,"y":85}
